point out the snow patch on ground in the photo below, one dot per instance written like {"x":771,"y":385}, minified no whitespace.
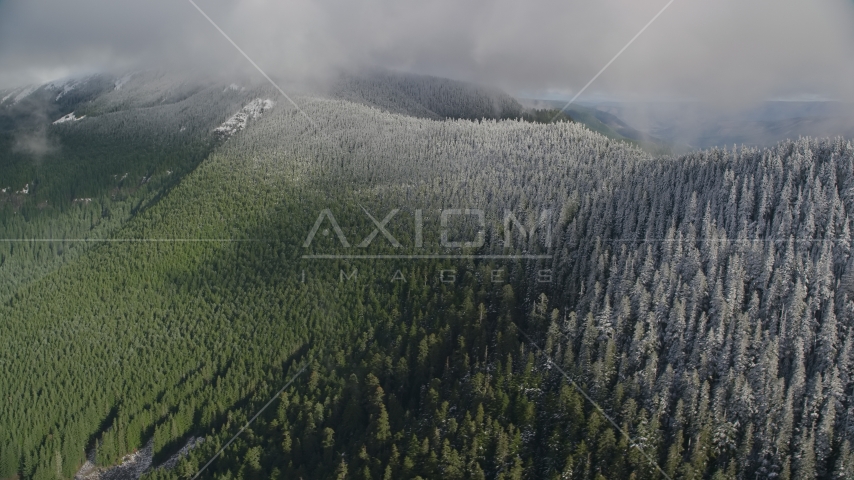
{"x":59,"y":84}
{"x":24,"y":190}
{"x":238,"y":121}
{"x":25,"y":93}
{"x":7,"y":97}
{"x":69,"y":118}
{"x":123,"y":80}
{"x":192,"y":443}
{"x":64,"y":91}
{"x":131,"y":468}
{"x":18,"y":94}
{"x":134,"y":465}
{"x":234,"y":88}
{"x":65,"y":86}
{"x":87,"y":472}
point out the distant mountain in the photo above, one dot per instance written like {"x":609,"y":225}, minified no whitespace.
{"x":603,"y":122}
{"x":426,"y":97}
{"x":684,"y":126}
{"x":699,"y":125}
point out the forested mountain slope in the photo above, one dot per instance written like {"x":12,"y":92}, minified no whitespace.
{"x":609,"y":125}
{"x":426,"y":96}
{"x":702,"y":302}
{"x":82,"y":156}
{"x":712,"y":290}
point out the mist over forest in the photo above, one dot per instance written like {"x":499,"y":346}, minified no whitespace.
{"x":417,"y":241}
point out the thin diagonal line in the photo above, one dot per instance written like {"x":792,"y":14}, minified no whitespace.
{"x":127,"y":240}
{"x":723,"y":240}
{"x":432,"y":256}
{"x":254,"y":64}
{"x":252,"y":419}
{"x":596,"y":405}
{"x":612,"y":60}
{"x":428,"y":257}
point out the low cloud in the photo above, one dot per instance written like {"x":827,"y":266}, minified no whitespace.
{"x":36,"y":143}
{"x":717,"y":50}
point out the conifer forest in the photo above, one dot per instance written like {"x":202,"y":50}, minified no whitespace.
{"x":411,"y":278}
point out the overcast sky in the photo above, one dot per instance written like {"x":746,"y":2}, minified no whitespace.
{"x":700,"y":49}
